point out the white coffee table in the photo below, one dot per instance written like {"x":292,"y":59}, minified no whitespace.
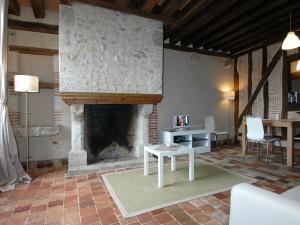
{"x":161,"y":151}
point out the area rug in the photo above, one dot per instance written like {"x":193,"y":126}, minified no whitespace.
{"x":135,"y":193}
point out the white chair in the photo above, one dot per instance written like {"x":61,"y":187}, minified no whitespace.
{"x":256,"y":134}
{"x":210,"y":125}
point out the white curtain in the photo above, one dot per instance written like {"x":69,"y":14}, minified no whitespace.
{"x":11,"y":170}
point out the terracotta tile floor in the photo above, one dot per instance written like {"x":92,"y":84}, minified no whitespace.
{"x":52,"y":198}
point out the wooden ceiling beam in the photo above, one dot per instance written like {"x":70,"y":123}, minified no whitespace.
{"x":33,"y":50}
{"x":259,"y":38}
{"x":276,"y":18}
{"x":229,"y":17}
{"x":137,"y":12}
{"x":201,"y":20}
{"x":241,"y":23}
{"x":173,"y":6}
{"x":281,"y":24}
{"x":122,"y":3}
{"x":38,"y":7}
{"x":198,"y":7}
{"x":199,"y":51}
{"x":149,"y":5}
{"x":32,"y":26}
{"x":14,"y":7}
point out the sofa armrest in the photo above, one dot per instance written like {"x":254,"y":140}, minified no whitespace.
{"x":252,"y":205}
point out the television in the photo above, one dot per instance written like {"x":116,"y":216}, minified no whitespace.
{"x":181,"y":121}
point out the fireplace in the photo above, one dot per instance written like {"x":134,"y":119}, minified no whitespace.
{"x":137,"y":132}
{"x":116,"y":60}
{"x":109,"y":132}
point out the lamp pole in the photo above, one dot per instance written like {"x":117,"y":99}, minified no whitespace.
{"x":26,"y":83}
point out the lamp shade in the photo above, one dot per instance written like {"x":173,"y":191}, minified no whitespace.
{"x":298,"y":66}
{"x":26,"y":83}
{"x":230,"y":95}
{"x":291,"y":41}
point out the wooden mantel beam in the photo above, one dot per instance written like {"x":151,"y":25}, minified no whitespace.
{"x":38,"y":7}
{"x":260,"y":84}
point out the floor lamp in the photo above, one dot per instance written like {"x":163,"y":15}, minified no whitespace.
{"x":26,"y":83}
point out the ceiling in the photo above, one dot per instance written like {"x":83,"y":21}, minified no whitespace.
{"x":223,"y":26}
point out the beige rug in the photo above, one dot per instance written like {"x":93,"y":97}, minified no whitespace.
{"x":135,"y":193}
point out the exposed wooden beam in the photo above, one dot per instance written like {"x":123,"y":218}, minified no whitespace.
{"x":122,"y":3}
{"x":173,"y":6}
{"x":230,"y":15}
{"x":272,"y":36}
{"x":149,"y":5}
{"x":276,"y":27}
{"x":198,"y":7}
{"x":38,"y":7}
{"x":14,"y":7}
{"x":137,"y":12}
{"x":267,"y":11}
{"x":285,"y":85}
{"x":110,"y":98}
{"x":256,"y":47}
{"x":257,"y":26}
{"x":199,"y":51}
{"x":260,"y":84}
{"x":201,"y":20}
{"x":250,"y":69}
{"x":236,"y":98}
{"x":33,"y":50}
{"x":32,"y":26}
{"x":266,"y":85}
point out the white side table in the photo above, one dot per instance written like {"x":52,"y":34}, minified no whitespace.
{"x":161,"y":151}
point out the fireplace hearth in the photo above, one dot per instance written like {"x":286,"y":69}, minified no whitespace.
{"x":109,"y":132}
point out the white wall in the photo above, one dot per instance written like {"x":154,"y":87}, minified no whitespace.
{"x":194,"y":84}
{"x":46,"y":107}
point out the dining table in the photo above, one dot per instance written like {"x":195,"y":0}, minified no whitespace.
{"x":289,"y":124}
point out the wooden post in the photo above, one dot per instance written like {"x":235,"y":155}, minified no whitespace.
{"x":266,"y":86}
{"x":250,"y":69}
{"x":236,"y":99}
{"x":285,"y":86}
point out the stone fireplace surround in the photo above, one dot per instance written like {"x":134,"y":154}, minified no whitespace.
{"x":77,"y":157}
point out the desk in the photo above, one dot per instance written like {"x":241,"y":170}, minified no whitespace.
{"x":289,"y":124}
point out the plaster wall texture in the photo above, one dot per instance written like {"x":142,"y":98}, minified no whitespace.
{"x":194,"y":85}
{"x":109,"y":52}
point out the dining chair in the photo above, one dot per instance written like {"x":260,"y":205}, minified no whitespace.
{"x":210,"y":125}
{"x":256,"y":134}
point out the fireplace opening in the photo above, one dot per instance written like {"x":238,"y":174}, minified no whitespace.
{"x":109,"y":132}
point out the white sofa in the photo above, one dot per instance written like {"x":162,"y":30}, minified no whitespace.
{"x":251,"y":205}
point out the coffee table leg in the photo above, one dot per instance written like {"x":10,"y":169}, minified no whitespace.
{"x":191,"y":166}
{"x":160,"y":171}
{"x":173,"y":163}
{"x":146,"y":163}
